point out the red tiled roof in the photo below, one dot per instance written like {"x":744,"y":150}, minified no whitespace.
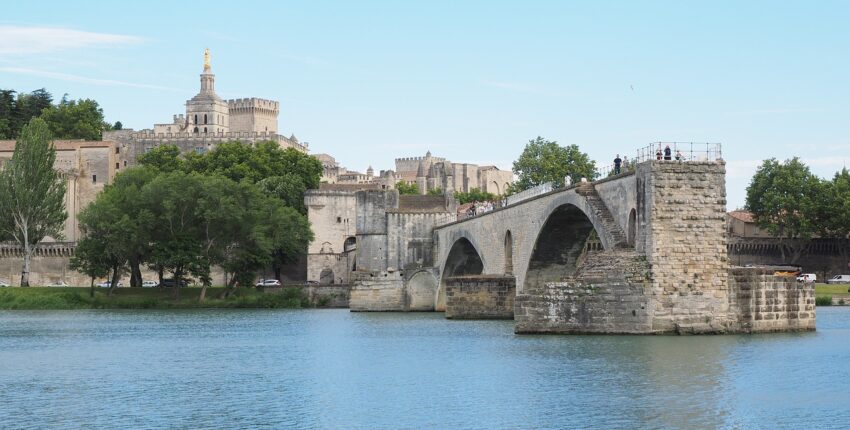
{"x":744,"y":216}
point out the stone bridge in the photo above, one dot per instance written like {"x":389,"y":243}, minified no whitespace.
{"x":640,"y":252}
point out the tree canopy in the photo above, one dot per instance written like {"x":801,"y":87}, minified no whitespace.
{"x":32,"y":192}
{"x":545,"y":161}
{"x":69,"y":119}
{"x":475,"y":195}
{"x":405,"y":188}
{"x":784,"y":199}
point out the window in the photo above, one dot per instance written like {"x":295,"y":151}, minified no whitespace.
{"x":338,"y":219}
{"x":117,"y":150}
{"x":117,"y":166}
{"x":196,"y":119}
{"x":205,"y":129}
{"x":196,"y":129}
{"x":125,"y":163}
{"x":205,"y":118}
{"x":93,"y":179}
{"x":199,"y":149}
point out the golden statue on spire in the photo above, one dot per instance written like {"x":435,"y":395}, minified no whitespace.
{"x":206,"y":59}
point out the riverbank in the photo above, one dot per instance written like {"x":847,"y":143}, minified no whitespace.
{"x":832,"y":295}
{"x":34,"y":298}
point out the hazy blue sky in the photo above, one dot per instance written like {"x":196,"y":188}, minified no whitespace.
{"x":471,"y":81}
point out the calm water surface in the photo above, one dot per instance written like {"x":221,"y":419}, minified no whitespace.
{"x":335,"y":369}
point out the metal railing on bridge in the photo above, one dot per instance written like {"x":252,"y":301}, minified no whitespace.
{"x":678,"y":151}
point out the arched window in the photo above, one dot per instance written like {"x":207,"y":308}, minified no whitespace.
{"x":509,"y":253}
{"x":196,"y":119}
{"x":196,"y":129}
{"x":205,"y":118}
{"x":205,"y":129}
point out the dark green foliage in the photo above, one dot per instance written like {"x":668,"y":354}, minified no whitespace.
{"x":785,"y":199}
{"x":238,"y":161}
{"x":475,"y":195}
{"x":164,"y":158}
{"x":405,"y":188}
{"x":543,"y":161}
{"x":823,"y":301}
{"x":70,"y":119}
{"x":435,"y":192}
{"x":32,"y":193}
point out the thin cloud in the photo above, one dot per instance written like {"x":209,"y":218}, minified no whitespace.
{"x":18,"y":40}
{"x":83,"y":79}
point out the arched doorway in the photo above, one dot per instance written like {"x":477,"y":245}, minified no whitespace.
{"x":421,"y":290}
{"x":509,"y":253}
{"x":632,"y":227}
{"x":350,"y":244}
{"x":463,"y":259}
{"x":559,"y":247}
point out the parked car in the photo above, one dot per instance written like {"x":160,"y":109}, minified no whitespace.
{"x":268,"y":283}
{"x":171,"y":282}
{"x":4,"y":284}
{"x":107,"y":284}
{"x":807,"y":277}
{"x":58,"y":284}
{"x":839,"y":279}
{"x":150,"y":284}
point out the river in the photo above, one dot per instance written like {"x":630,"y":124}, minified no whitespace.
{"x":335,"y":369}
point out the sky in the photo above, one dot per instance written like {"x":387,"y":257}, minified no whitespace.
{"x":471,"y":81}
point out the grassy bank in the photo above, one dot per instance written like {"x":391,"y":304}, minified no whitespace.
{"x":837,"y":290}
{"x":146,"y":298}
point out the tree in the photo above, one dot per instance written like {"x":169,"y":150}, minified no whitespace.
{"x":475,"y":195}
{"x":7,"y":110}
{"x":80,"y":119}
{"x":784,"y":199}
{"x":435,"y":192}
{"x":89,"y":258}
{"x":103,"y":247}
{"x":164,"y":158}
{"x":543,"y":161}
{"x":239,"y":161}
{"x":32,"y":193}
{"x":118,"y":126}
{"x":289,"y":188}
{"x":289,"y":232}
{"x":405,"y":188}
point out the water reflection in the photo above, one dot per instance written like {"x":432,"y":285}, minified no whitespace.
{"x":335,"y":369}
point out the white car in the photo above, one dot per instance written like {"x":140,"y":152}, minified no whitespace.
{"x":807,"y":277}
{"x":268,"y":283}
{"x":107,"y":284}
{"x":150,"y":284}
{"x":839,"y":279}
{"x":58,"y":284}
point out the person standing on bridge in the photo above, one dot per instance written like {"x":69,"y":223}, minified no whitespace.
{"x":617,"y":162}
{"x":667,"y":154}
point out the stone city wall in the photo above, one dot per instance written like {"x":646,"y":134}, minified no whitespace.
{"x":480,"y":297}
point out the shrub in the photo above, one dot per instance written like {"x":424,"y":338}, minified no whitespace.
{"x":823,"y":301}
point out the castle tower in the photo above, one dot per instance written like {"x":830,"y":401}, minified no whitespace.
{"x":207,"y":112}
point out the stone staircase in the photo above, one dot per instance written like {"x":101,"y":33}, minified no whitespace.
{"x":595,"y":204}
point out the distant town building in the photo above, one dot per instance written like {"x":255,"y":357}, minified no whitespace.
{"x":208,"y":121}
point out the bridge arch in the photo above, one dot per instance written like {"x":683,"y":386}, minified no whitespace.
{"x":559,"y":245}
{"x":463,"y":259}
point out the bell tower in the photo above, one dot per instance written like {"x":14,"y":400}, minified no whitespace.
{"x":207,"y":112}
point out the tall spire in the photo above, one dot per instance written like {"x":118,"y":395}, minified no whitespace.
{"x":206,"y":60}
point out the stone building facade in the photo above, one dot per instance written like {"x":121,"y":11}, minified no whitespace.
{"x":87,"y":166}
{"x":429,"y":173}
{"x":208,"y":121}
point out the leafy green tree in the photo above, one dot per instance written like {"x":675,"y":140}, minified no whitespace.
{"x":90,"y":258}
{"x":7,"y":111}
{"x":289,"y":232}
{"x":475,"y":195}
{"x":29,"y":106}
{"x":104,"y":231}
{"x":164,"y":158}
{"x":289,"y":188}
{"x":435,"y":192}
{"x":784,"y":199}
{"x":32,"y":193}
{"x":118,"y":125}
{"x":238,"y":161}
{"x":405,"y":188}
{"x":75,"y":119}
{"x":545,"y":161}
